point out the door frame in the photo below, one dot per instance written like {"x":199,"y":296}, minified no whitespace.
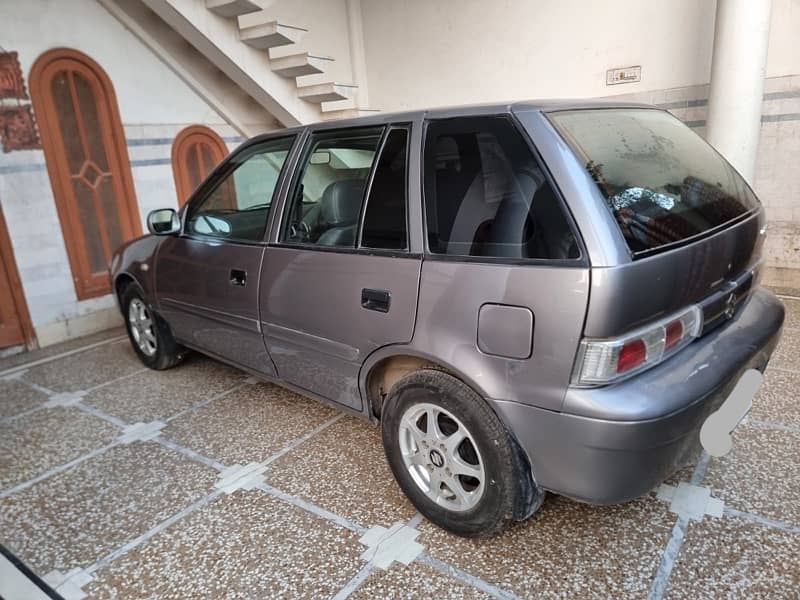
{"x":15,"y":283}
{"x":115,"y":145}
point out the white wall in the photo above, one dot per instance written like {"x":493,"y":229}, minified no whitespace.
{"x":423,"y":53}
{"x":154,"y":105}
{"x":784,"y":39}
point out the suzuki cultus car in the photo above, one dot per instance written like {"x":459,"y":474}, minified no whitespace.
{"x":530,"y":297}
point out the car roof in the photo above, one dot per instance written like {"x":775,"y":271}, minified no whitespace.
{"x":444,"y":112}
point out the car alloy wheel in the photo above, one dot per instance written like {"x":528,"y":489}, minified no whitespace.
{"x":442,"y":457}
{"x":142,"y":327}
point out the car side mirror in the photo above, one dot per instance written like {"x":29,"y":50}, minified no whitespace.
{"x":164,"y":221}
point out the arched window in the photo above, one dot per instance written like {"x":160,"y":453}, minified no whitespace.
{"x":195,"y":152}
{"x":87,"y":159}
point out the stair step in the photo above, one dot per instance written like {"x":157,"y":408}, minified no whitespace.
{"x":325,"y":92}
{"x":351,"y":104}
{"x":348,"y":113}
{"x":232,"y":8}
{"x":296,"y":65}
{"x":270,"y":35}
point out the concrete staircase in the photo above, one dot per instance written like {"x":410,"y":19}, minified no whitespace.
{"x":239,"y":37}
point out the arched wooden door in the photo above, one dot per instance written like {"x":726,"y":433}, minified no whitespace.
{"x":15,"y":322}
{"x":87,"y":159}
{"x":195,"y":152}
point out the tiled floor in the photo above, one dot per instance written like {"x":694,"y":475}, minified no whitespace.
{"x":147,"y":518}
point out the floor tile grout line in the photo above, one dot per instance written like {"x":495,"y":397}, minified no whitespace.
{"x":765,"y":521}
{"x":302,"y":439}
{"x":100,"y":414}
{"x":700,"y":470}
{"x":22,"y":415}
{"x":672,"y":549}
{"x":100,"y":386}
{"x":56,"y":470}
{"x":96,"y":412}
{"x":415,"y":520}
{"x":465,"y":577}
{"x":312,"y":508}
{"x":188,"y":453}
{"x":784,"y":370}
{"x":668,"y":557}
{"x":206,"y":402}
{"x":55,"y":357}
{"x":771,"y":425}
{"x":166,"y":523}
{"x":37,"y":387}
{"x":49,"y":392}
{"x":355,"y":582}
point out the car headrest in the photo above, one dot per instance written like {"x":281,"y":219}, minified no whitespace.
{"x":341,"y":202}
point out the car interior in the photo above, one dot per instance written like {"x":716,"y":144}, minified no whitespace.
{"x":326,"y":202}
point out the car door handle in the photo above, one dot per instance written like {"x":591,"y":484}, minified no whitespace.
{"x":379,"y":300}
{"x":238,"y":277}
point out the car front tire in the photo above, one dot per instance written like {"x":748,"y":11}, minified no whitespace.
{"x":149,"y":334}
{"x":453,"y":457}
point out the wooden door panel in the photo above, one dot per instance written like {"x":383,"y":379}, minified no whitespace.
{"x":10,"y":326}
{"x":15,"y":326}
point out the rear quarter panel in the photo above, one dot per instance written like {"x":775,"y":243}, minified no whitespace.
{"x":451,"y":295}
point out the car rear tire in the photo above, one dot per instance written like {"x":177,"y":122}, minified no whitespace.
{"x":466,"y":473}
{"x":149,"y":334}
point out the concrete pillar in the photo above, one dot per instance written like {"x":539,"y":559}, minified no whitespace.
{"x":358,"y":61}
{"x":738,"y":68}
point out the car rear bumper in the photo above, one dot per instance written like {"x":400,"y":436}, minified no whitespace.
{"x":615,"y":443}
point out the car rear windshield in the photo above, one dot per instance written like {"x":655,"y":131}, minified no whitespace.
{"x":661,"y":181}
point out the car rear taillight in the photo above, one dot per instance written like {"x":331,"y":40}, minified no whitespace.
{"x":602,"y":361}
{"x":631,"y":355}
{"x":673,"y":333}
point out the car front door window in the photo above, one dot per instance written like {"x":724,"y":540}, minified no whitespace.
{"x":236,"y":209}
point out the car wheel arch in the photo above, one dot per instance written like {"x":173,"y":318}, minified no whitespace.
{"x":385,"y":366}
{"x":121,"y":283}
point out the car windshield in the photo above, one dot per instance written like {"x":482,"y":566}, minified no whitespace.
{"x":661,"y":181}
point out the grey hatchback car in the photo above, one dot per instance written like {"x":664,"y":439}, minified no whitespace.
{"x":529,"y":297}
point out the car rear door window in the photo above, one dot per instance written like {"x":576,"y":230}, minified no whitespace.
{"x":487,"y":196}
{"x":385,"y":214}
{"x":325,"y":205}
{"x":236,"y":208}
{"x":660,"y":180}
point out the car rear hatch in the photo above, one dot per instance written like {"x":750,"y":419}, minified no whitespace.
{"x":693,"y":227}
